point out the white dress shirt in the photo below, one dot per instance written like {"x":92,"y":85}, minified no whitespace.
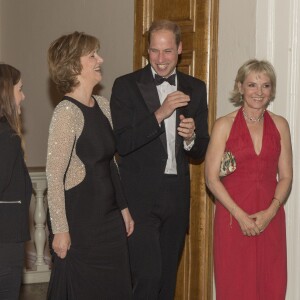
{"x":164,"y":90}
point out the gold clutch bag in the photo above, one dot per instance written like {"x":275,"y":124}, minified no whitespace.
{"x":228,"y":164}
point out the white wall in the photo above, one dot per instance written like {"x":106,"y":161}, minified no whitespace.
{"x":236,"y":45}
{"x":26,"y":30}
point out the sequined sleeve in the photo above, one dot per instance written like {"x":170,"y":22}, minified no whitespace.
{"x":62,"y":137}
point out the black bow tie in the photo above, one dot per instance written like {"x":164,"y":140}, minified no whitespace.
{"x":159,"y":79}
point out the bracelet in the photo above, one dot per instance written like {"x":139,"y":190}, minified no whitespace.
{"x":279,"y":202}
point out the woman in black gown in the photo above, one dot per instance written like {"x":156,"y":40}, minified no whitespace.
{"x":15,"y":184}
{"x":85,"y":197}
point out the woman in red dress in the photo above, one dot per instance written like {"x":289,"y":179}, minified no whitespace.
{"x":249,"y":228}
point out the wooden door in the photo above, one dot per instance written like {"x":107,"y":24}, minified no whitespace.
{"x":198,"y":20}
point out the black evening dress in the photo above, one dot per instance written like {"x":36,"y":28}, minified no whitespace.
{"x":96,"y":266}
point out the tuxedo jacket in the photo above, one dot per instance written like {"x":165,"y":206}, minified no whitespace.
{"x":141,"y":141}
{"x":15,"y":187}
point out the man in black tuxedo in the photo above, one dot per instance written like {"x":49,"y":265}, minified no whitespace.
{"x":160,"y":118}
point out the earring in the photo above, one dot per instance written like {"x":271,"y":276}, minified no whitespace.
{"x":241,"y":98}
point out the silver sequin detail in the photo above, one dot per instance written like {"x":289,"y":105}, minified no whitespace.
{"x":65,"y":128}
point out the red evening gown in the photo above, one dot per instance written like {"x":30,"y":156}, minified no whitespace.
{"x":251,"y":268}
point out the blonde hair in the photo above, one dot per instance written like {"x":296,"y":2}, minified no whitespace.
{"x":256,"y":66}
{"x":64,"y":58}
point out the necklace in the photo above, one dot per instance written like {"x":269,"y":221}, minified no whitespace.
{"x":252,"y":119}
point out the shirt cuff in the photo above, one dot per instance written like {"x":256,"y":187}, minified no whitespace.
{"x":189,"y":146}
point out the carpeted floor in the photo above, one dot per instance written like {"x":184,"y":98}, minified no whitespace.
{"x":35,"y":291}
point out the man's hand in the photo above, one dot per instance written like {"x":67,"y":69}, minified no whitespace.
{"x":172,"y":101}
{"x":186,"y":128}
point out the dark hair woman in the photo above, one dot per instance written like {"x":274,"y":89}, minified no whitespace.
{"x":15,"y":184}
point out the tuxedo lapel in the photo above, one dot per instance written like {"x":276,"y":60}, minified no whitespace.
{"x":149,"y":93}
{"x":183,"y":86}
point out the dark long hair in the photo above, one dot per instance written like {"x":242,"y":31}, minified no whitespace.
{"x":9,"y":77}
